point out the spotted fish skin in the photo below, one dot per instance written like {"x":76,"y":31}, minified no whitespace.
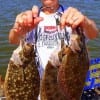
{"x":73,"y":69}
{"x":49,"y":89}
{"x":22,"y":82}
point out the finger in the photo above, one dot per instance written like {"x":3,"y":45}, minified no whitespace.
{"x":24,"y":17}
{"x":19,"y":18}
{"x":77,"y":20}
{"x":69,"y":19}
{"x":68,"y":14}
{"x":64,"y":17}
{"x":20,"y":21}
{"x":16,"y":27}
{"x":17,"y":23}
{"x":36,"y":18}
{"x":28,"y":19}
{"x":35,"y":11}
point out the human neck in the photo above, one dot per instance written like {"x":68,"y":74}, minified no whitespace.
{"x":49,"y":10}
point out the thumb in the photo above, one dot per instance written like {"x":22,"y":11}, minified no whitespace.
{"x":35,"y":11}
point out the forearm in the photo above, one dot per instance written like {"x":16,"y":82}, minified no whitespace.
{"x":90,"y":28}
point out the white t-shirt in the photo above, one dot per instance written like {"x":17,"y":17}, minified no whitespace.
{"x":48,"y":38}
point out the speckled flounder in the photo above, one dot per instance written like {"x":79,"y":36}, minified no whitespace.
{"x":73,"y":69}
{"x":22,"y":81}
{"x":49,"y":86}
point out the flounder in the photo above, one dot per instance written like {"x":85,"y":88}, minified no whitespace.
{"x":74,"y":66}
{"x":49,"y":89}
{"x":22,"y":81}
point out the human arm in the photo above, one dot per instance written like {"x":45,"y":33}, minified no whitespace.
{"x":72,"y":17}
{"x":25,"y":22}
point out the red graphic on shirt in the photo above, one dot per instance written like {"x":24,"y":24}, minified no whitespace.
{"x":50,"y":29}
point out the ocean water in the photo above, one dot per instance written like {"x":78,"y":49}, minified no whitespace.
{"x":10,"y":8}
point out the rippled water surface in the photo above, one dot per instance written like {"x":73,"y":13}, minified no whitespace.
{"x":10,"y":8}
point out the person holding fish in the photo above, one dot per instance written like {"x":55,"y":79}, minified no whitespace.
{"x":46,"y":26}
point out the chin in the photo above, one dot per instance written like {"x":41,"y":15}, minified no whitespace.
{"x":49,"y":2}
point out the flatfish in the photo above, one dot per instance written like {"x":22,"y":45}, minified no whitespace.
{"x":74,"y":66}
{"x":49,"y":88}
{"x":22,"y":81}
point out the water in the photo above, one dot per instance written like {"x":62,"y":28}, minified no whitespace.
{"x":10,"y":8}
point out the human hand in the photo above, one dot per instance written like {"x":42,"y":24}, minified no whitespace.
{"x":27,"y":20}
{"x":72,"y":17}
